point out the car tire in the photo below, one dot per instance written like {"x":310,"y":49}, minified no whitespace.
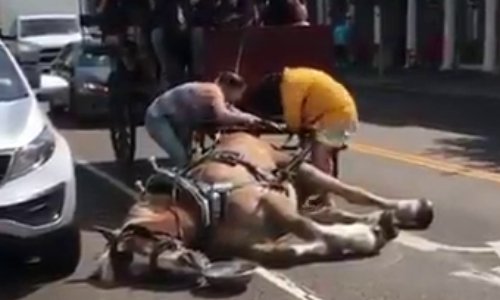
{"x":73,"y":106}
{"x":56,"y":110}
{"x":62,"y":254}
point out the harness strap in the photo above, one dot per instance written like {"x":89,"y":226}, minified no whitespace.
{"x":234,"y":158}
{"x":286,"y":172}
{"x":271,"y":179}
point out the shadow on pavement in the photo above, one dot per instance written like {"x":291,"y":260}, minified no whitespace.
{"x":104,"y":206}
{"x":195,"y":288}
{"x":100,"y":202}
{"x":476,"y":117}
{"x":483,"y":152}
{"x":17,"y":281}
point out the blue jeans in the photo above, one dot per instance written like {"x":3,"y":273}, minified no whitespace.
{"x":166,"y":135}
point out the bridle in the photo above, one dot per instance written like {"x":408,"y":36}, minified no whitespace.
{"x":161,"y":242}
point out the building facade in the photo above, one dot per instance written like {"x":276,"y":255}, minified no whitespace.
{"x":441,"y":34}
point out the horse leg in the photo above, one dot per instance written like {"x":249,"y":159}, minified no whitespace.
{"x":321,"y":240}
{"x":333,"y":215}
{"x":287,"y":253}
{"x":416,"y":213}
{"x":317,"y":180}
{"x":329,"y":213}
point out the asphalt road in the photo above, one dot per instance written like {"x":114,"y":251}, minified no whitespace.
{"x":442,"y":149}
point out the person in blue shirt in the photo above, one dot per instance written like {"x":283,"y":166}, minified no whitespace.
{"x":341,"y":36}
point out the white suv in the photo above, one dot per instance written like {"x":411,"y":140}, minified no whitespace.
{"x":37,"y":181}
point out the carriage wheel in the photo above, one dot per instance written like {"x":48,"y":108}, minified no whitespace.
{"x":336,"y":160}
{"x":123,"y":133}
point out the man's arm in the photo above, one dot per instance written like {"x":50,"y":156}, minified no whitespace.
{"x":229,"y":116}
{"x":234,"y":109}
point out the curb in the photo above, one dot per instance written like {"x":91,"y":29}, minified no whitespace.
{"x":424,"y":92}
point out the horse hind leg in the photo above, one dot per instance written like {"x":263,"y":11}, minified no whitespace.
{"x":321,"y":240}
{"x":287,"y":253}
{"x":333,"y":215}
{"x":359,"y":238}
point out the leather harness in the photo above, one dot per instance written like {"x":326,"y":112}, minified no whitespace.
{"x":212,"y":197}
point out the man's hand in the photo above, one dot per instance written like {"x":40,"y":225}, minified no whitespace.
{"x":254,"y":120}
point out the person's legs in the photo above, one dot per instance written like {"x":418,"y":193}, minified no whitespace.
{"x":321,"y":157}
{"x":175,"y":50}
{"x":161,"y":131}
{"x":157,"y":40}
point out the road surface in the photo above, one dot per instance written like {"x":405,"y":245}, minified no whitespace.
{"x":406,"y":147}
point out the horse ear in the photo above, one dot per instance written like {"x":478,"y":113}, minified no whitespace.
{"x":109,"y":235}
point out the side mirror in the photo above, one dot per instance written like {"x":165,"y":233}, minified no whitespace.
{"x":6,"y":37}
{"x":51,"y":86}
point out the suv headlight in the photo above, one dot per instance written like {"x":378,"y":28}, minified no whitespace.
{"x":21,"y":47}
{"x":89,"y":87}
{"x":33,"y":155}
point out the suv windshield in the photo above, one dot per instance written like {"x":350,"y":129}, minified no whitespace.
{"x":36,"y":27}
{"x":92,"y":59}
{"x":11,"y":85}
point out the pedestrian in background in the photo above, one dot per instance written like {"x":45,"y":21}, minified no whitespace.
{"x":285,"y":12}
{"x":341,"y":37}
{"x":170,"y":39}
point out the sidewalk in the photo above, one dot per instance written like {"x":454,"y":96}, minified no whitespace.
{"x":424,"y":82}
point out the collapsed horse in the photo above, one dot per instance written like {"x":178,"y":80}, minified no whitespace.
{"x":247,"y":199}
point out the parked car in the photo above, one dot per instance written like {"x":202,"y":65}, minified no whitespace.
{"x":37,"y":181}
{"x":86,"y":66}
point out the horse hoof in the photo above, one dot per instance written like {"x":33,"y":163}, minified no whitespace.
{"x":425,"y":214}
{"x":388,"y":225}
{"x":420,"y":219}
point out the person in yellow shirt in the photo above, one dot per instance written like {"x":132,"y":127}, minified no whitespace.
{"x":309,"y":100}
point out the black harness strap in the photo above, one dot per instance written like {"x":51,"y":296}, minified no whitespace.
{"x":273,"y":179}
{"x":235,"y":158}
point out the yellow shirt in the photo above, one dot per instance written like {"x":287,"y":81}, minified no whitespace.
{"x":313,"y":99}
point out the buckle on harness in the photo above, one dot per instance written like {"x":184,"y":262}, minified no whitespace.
{"x":230,"y":157}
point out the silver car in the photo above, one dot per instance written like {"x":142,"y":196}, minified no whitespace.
{"x":86,"y":67}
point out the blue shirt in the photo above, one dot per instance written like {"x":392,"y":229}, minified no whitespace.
{"x":341,"y":34}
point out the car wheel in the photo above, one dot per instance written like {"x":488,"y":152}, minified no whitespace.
{"x":73,"y":105}
{"x":62,"y":254}
{"x":56,"y":110}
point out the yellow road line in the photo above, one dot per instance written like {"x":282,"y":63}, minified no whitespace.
{"x":426,"y":162}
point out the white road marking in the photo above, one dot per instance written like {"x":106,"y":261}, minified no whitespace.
{"x":279,"y":280}
{"x":479,"y":276}
{"x":425,"y":245}
{"x":495,"y":245}
{"x":492,"y":278}
{"x":287,"y":285}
